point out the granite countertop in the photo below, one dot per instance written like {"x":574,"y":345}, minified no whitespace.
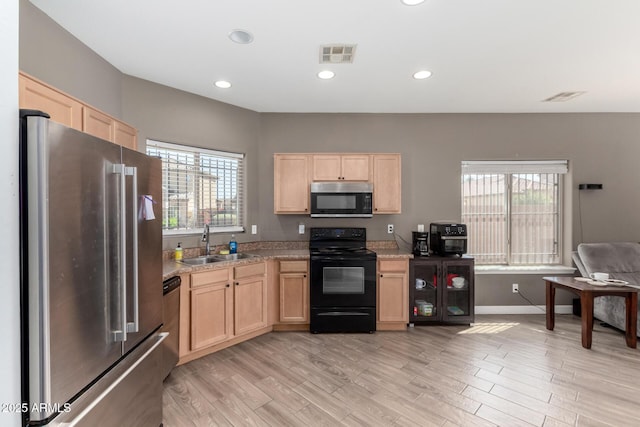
{"x":393,"y":253}
{"x":172,"y":268}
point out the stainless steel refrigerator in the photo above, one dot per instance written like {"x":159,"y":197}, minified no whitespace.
{"x":91,"y":279}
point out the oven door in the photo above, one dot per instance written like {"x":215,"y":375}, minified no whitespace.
{"x":342,"y":282}
{"x":454,"y":245}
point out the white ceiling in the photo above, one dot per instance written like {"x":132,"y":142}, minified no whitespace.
{"x":485,"y":55}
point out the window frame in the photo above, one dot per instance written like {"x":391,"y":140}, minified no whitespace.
{"x":240,"y":186}
{"x":508,"y":169}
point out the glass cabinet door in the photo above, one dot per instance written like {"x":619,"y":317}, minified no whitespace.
{"x":458,"y":296}
{"x":424,"y":291}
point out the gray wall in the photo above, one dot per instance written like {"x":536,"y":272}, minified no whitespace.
{"x":9,"y":254}
{"x":601,"y":148}
{"x":170,"y":115}
{"x":52,"y":54}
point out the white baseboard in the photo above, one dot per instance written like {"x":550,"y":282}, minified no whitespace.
{"x":521,"y":309}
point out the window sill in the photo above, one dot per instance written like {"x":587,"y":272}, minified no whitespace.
{"x":534,"y":269}
{"x":199,"y":231}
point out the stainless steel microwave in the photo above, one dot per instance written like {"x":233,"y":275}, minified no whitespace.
{"x":341,"y":199}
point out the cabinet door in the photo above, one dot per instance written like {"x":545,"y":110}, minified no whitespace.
{"x":250,"y":304}
{"x":211,"y":315}
{"x":326,"y":167}
{"x":294,"y":298}
{"x":125,"y":135}
{"x":355,"y":167}
{"x":98,"y":124}
{"x":62,"y":108}
{"x":392,"y":297}
{"x":291,"y":184}
{"x":425,"y":289}
{"x":458,"y":296}
{"x":387,"y":184}
{"x":340,"y":167}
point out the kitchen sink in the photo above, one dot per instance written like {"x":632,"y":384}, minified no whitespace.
{"x":209,"y":259}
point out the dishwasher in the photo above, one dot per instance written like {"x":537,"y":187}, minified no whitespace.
{"x":170,"y":323}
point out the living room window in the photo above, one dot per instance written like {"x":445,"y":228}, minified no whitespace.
{"x":513,"y":211}
{"x":199,"y":186}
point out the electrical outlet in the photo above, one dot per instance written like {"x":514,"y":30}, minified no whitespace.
{"x":514,"y":288}
{"x":301,"y":229}
{"x":254,"y":229}
{"x":390,"y":228}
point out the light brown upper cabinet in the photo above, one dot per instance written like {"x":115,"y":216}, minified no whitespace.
{"x":37,"y":95}
{"x":291,"y":184}
{"x":341,"y":167}
{"x":125,"y":135}
{"x":61,"y":108}
{"x":293,"y":173}
{"x":98,"y":124}
{"x":387,"y":184}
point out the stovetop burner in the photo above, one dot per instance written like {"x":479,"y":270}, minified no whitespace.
{"x":342,"y":251}
{"x":340,"y":242}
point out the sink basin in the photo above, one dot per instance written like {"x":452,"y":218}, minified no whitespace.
{"x":231,"y":257}
{"x":208,"y":259}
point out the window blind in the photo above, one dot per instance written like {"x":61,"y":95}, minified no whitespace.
{"x":485,"y":167}
{"x":200,"y":186}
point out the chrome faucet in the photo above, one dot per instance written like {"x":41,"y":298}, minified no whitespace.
{"x":205,"y":238}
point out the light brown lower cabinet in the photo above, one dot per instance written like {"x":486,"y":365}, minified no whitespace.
{"x":294,"y":291}
{"x":250,"y":298}
{"x":393,"y":294}
{"x":227,"y":303}
{"x":211,"y":308}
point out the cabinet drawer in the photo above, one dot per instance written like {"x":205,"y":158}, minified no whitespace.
{"x":208,"y":277}
{"x":249,"y":270}
{"x":392,"y":265}
{"x":293,"y":266}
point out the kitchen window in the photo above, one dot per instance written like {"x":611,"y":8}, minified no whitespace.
{"x":199,"y":186}
{"x":513,"y":211}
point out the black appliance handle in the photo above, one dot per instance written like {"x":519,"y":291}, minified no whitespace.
{"x":171,"y":284}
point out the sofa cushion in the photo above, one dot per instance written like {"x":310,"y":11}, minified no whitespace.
{"x":620,"y":259}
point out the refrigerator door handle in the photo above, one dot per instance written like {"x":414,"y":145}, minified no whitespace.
{"x":121,"y":334}
{"x":133,"y":172}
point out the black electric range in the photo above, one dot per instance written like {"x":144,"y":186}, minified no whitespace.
{"x":343,"y":281}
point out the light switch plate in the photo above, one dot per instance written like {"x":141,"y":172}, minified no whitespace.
{"x":301,"y":229}
{"x":254,"y":229}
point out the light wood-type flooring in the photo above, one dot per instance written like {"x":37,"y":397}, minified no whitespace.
{"x":505,"y":370}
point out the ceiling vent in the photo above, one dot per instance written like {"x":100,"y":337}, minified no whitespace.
{"x":563,"y":96}
{"x":337,"y":53}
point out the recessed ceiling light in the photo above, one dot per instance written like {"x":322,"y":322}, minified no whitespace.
{"x":422,"y":74}
{"x":223,"y":84}
{"x":326,"y":74}
{"x":411,"y":2}
{"x":241,"y":36}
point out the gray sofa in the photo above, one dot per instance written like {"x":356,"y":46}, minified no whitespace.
{"x":622,"y":261}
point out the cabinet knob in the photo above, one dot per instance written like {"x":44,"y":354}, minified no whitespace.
{"x":381,"y":275}
{"x":237,"y":283}
{"x":304,"y":275}
{"x":227,"y":285}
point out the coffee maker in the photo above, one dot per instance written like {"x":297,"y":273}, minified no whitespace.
{"x":420,"y":247}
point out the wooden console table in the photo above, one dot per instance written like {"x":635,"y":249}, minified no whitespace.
{"x":587,"y":293}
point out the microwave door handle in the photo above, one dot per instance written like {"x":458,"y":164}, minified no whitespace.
{"x":120,"y":334}
{"x":133,"y":172}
